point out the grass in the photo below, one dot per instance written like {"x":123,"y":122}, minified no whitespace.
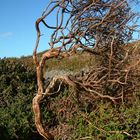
{"x":73,"y":63}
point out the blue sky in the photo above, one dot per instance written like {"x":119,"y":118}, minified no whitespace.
{"x":17,"y":31}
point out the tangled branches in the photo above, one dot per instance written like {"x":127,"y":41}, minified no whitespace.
{"x":99,"y":27}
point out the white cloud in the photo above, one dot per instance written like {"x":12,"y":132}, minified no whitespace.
{"x":6,"y":34}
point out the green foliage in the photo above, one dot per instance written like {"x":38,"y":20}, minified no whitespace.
{"x":104,"y":122}
{"x":17,"y":88}
{"x":108,"y":122}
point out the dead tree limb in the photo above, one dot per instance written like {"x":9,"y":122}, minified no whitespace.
{"x":97,"y":27}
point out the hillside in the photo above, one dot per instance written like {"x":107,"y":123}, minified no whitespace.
{"x":67,"y":115}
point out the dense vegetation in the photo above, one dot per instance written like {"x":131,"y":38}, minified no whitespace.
{"x":67,"y":115}
{"x":17,"y":87}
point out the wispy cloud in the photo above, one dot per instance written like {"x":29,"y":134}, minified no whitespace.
{"x":6,"y":34}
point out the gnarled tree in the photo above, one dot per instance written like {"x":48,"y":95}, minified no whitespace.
{"x":100,"y":27}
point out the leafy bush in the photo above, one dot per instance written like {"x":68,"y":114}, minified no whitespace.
{"x":17,"y":88}
{"x":108,"y":122}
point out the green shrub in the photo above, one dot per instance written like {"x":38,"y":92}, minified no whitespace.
{"x":17,"y":88}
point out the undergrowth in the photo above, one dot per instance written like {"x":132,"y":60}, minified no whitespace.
{"x":97,"y":120}
{"x":67,"y":115}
